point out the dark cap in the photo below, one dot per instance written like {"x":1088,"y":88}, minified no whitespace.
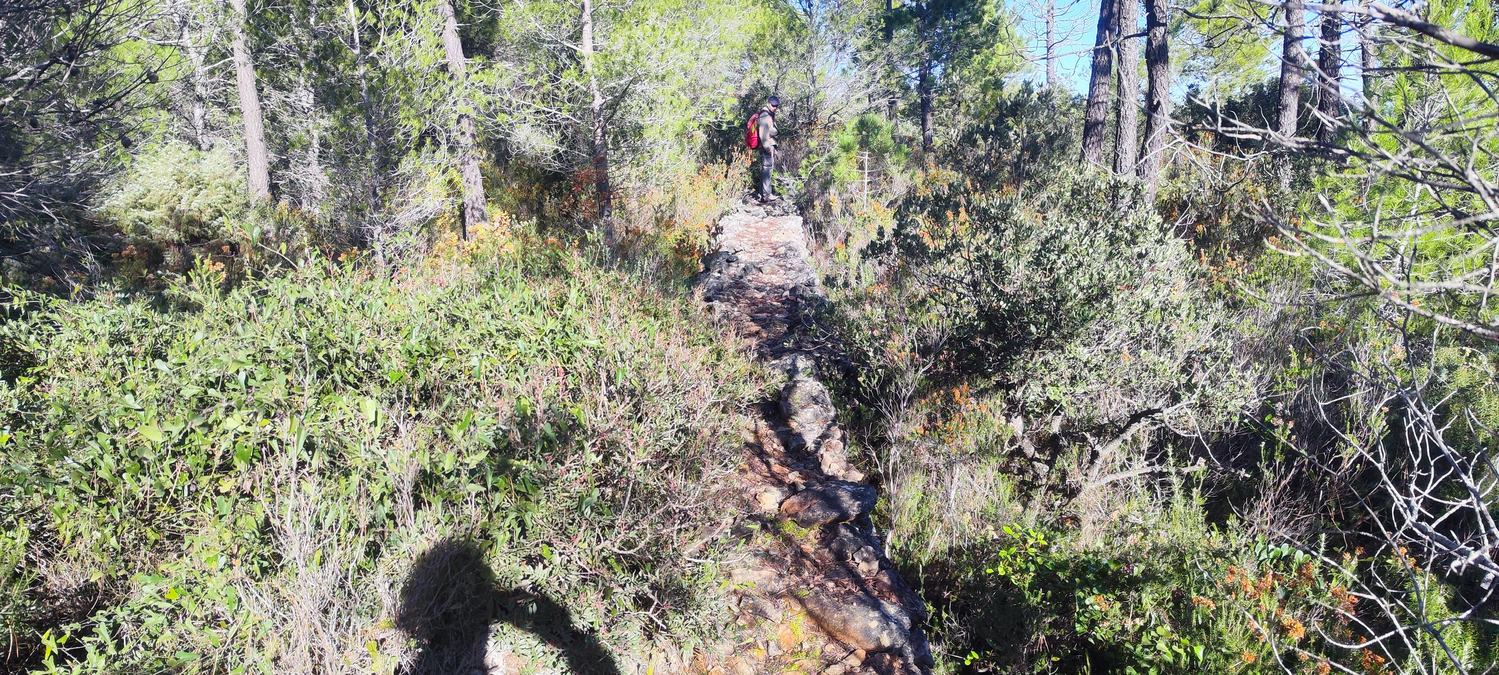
{"x":775,"y":101}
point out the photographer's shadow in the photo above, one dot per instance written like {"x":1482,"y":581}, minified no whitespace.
{"x":450,"y":599}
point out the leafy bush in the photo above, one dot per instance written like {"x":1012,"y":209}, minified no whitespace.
{"x":1027,"y":135}
{"x":864,"y":141}
{"x":1062,"y":290}
{"x":1034,"y":347}
{"x":16,"y":608}
{"x":1172,"y":594}
{"x":1072,"y":297}
{"x":176,"y":194}
{"x":849,"y":180}
{"x":677,"y":220}
{"x":247,"y":476}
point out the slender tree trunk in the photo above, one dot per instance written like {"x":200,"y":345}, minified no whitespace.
{"x":475,"y":210}
{"x":1126,"y":130}
{"x":1366,"y":45}
{"x":1051,"y":44}
{"x":314,"y":191}
{"x":924,"y":89}
{"x":924,"y":86}
{"x":1158,"y":102}
{"x":367,"y":109}
{"x":189,"y":36}
{"x":1096,"y":115}
{"x":889,"y":27}
{"x":1329,"y":67}
{"x":1292,"y":61}
{"x":199,"y":112}
{"x":257,"y":157}
{"x":600,"y":138}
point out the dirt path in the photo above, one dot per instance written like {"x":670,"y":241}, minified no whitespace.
{"x":815,"y":589}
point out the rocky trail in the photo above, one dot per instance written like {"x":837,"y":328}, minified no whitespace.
{"x":815,"y":589}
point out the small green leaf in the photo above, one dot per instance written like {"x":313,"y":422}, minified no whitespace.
{"x":370,"y":409}
{"x":151,"y":432}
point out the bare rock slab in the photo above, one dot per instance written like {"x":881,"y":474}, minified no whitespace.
{"x":834,"y":501}
{"x":864,"y":622}
{"x":807,"y":407}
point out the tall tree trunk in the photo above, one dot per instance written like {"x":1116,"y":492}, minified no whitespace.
{"x":199,"y":112}
{"x":1126,"y":130}
{"x":311,"y":193}
{"x":257,"y":157}
{"x":924,"y":84}
{"x":600,"y":138}
{"x":475,"y":210}
{"x":367,"y":110}
{"x":1051,"y":43}
{"x":924,"y":90}
{"x":1329,"y":66}
{"x":1158,"y":102}
{"x":1292,"y":62}
{"x":1366,"y":45}
{"x":890,"y":103}
{"x":1096,"y":115}
{"x":190,"y":34}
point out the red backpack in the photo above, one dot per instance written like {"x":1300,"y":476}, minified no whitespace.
{"x":752,"y":132}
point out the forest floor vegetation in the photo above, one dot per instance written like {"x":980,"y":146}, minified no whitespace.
{"x":228,"y":479}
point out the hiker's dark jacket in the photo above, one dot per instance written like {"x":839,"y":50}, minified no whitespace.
{"x":766,"y":124}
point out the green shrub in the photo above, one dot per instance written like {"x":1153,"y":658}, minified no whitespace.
{"x":177,"y":194}
{"x":1036,"y":600}
{"x":1026,"y":136}
{"x":1072,"y":297}
{"x":249,"y":475}
{"x":16,"y":579}
{"x":849,"y":180}
{"x":864,"y":140}
{"x":1034,"y":349}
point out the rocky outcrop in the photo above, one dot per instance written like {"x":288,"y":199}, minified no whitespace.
{"x":809,"y":413}
{"x":829,"y":502}
{"x":815,"y":587}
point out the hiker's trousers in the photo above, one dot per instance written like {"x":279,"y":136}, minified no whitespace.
{"x":767,"y":167}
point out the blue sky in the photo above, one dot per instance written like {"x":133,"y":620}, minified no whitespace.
{"x":1077,"y":21}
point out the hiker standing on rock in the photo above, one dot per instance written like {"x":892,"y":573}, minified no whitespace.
{"x":761,"y":135}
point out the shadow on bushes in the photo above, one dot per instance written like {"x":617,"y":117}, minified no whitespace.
{"x":450,"y":599}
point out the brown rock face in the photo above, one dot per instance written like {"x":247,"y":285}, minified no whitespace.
{"x":768,"y":499}
{"x":858,"y":620}
{"x":833,"y":501}
{"x":807,"y":407}
{"x":832,"y":457}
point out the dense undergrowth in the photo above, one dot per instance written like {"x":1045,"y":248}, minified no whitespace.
{"x":242,"y":480}
{"x":1106,"y":441}
{"x":259,"y":412}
